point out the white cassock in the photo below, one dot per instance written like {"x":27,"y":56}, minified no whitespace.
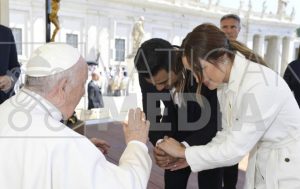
{"x":39,"y":152}
{"x":261,"y":115}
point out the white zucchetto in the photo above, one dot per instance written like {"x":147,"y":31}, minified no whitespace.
{"x":50,"y":59}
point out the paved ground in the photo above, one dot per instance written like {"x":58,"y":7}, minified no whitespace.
{"x":112,"y":133}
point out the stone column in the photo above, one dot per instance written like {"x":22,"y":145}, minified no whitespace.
{"x":273,"y":55}
{"x":4,"y":12}
{"x":258,"y":44}
{"x":286,"y":55}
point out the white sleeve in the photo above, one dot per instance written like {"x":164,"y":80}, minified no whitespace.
{"x":80,"y":165}
{"x":230,"y":145}
{"x":136,"y":161}
{"x":185,"y":144}
{"x":230,"y":151}
{"x":159,"y":141}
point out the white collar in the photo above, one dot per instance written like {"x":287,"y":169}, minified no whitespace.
{"x":44,"y":104}
{"x":238,"y":70}
{"x":176,"y":97}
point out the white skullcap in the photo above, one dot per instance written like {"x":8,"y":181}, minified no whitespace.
{"x":51,"y":58}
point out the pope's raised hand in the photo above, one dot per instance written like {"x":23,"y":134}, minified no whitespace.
{"x":137,"y":127}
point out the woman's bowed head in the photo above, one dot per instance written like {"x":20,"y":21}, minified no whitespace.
{"x":209,"y":54}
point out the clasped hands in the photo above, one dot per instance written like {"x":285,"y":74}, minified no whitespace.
{"x":170,"y":154}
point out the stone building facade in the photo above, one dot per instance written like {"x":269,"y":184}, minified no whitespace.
{"x":105,"y":26}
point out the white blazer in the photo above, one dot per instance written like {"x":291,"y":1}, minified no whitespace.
{"x":261,"y":115}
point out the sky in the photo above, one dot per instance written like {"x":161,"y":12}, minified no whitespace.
{"x":257,"y":5}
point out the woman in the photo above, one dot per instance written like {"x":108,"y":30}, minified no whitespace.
{"x":259,"y":113}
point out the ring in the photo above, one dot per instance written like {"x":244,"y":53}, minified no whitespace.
{"x":175,"y":166}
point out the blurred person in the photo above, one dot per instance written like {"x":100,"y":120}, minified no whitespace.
{"x":230,"y":24}
{"x":124,"y":84}
{"x":110,"y":81}
{"x":9,"y":65}
{"x":117,"y":83}
{"x":292,"y":77}
{"x":95,"y":99}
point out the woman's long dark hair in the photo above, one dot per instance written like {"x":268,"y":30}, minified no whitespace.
{"x":208,"y":42}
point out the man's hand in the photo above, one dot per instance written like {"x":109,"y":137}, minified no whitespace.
{"x":102,"y":145}
{"x":179,"y":164}
{"x":137,"y":127}
{"x":5,"y":82}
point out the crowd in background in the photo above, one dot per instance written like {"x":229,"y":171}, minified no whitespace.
{"x":113,"y":81}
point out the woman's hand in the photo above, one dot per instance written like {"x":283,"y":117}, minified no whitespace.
{"x":162,"y":159}
{"x":172,"y":147}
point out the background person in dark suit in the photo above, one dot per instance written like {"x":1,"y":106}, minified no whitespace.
{"x":9,"y":65}
{"x":292,"y":77}
{"x":159,"y":78}
{"x":95,"y":99}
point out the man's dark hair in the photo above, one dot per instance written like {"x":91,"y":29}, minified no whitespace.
{"x":233,"y":16}
{"x":154,"y":55}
